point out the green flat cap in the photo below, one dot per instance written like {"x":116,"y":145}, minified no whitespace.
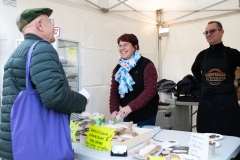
{"x":29,"y":15}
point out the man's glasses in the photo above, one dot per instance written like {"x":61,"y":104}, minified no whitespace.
{"x":51,"y":20}
{"x":124,"y":45}
{"x":211,"y":31}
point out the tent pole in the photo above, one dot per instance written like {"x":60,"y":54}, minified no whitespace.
{"x":117,"y":4}
{"x":93,"y":4}
{"x":159,"y":13}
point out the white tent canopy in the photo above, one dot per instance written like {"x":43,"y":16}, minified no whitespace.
{"x":96,"y":25}
{"x":171,"y":11}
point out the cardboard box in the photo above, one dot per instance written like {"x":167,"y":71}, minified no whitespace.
{"x":143,"y":135}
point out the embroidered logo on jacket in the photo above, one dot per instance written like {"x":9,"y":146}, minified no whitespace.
{"x":215,"y":76}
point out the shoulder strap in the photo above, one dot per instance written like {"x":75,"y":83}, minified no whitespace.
{"x":29,"y":55}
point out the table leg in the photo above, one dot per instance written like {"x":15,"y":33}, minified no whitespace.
{"x":191,"y":118}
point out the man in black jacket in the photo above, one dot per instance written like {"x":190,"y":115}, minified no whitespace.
{"x":214,"y":67}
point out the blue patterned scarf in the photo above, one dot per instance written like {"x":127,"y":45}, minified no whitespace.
{"x":123,"y":77}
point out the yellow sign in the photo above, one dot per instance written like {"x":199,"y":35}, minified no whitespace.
{"x":159,"y":158}
{"x":74,"y":127}
{"x":99,"y":138}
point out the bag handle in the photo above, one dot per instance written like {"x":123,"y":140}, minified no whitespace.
{"x":29,"y":55}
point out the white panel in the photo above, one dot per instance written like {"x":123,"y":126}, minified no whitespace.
{"x":69,"y":22}
{"x":137,"y":16}
{"x":94,"y":67}
{"x":231,"y":30}
{"x":99,"y":101}
{"x":148,"y":37}
{"x":112,"y":63}
{"x":112,"y":3}
{"x":172,"y":19}
{"x":8,"y":27}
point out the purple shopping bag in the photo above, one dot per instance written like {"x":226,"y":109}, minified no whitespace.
{"x":38,"y":133}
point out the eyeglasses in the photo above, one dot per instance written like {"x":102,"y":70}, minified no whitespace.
{"x":51,"y":20}
{"x":211,"y":31}
{"x":124,"y":45}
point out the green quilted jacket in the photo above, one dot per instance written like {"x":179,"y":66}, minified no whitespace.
{"x":47,"y":76}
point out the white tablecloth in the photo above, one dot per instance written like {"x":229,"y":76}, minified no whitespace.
{"x":230,"y":147}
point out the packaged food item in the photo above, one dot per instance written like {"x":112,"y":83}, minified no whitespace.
{"x":179,"y":150}
{"x":148,"y":148}
{"x":117,"y":138}
{"x":121,"y":127}
{"x":168,"y":149}
{"x":165,"y":153}
{"x":98,"y":119}
{"x":127,"y":135}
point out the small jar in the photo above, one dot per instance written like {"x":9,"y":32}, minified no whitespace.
{"x":168,"y":149}
{"x":211,"y":151}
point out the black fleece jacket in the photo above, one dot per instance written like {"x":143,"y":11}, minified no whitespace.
{"x":216,"y":51}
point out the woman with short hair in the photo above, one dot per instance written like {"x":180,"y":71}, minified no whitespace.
{"x":133,"y":85}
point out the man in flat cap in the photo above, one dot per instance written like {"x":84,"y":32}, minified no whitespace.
{"x":46,"y":74}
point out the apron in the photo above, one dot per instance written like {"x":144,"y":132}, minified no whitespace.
{"x":218,"y":110}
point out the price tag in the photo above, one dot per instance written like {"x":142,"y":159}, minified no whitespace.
{"x":198,"y":146}
{"x":99,"y":138}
